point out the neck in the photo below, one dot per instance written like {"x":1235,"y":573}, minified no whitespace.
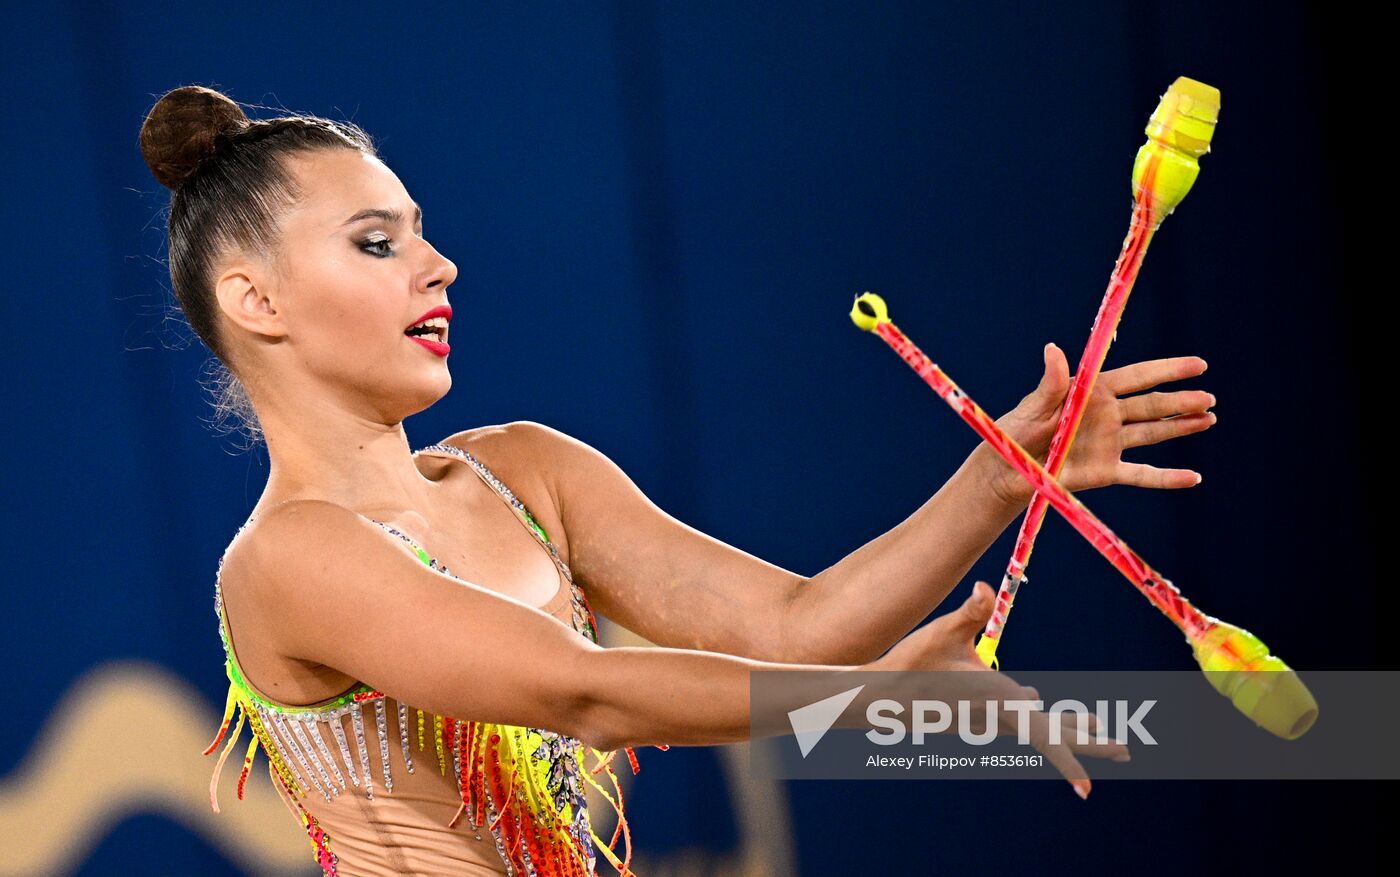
{"x":362,"y":465}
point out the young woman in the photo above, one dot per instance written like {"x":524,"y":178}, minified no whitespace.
{"x":410,"y":635}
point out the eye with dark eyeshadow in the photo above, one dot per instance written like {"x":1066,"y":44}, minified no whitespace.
{"x":368,"y":246}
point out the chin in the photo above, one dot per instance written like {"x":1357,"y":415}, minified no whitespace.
{"x":429,"y":394}
{"x":405,"y":393}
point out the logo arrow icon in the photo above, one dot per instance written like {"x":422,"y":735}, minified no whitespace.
{"x":811,"y":722}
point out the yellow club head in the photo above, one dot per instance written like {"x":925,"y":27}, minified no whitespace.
{"x":1178,"y":134}
{"x":868,"y":311}
{"x":1260,"y":685}
{"x":986,"y":649}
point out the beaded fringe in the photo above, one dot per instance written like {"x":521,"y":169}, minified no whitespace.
{"x":525,"y":785}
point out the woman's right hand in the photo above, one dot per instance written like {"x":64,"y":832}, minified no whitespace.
{"x":946,"y":644}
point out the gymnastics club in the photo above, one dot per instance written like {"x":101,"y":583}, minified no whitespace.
{"x":1231,"y":657}
{"x":1166,"y":166}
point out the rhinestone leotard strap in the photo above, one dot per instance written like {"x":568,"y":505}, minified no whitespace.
{"x":500,"y":489}
{"x":524,"y":784}
{"x":583,"y":617}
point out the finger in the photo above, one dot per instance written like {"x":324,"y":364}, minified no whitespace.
{"x":1135,"y":435}
{"x":1144,"y":375}
{"x":1057,"y":367}
{"x":1143,"y":475}
{"x":1068,"y":720}
{"x":1060,"y":755}
{"x":1061,"y":750}
{"x":1071,"y":724}
{"x":1054,"y":382}
{"x":972,"y":616}
{"x":1155,"y":406}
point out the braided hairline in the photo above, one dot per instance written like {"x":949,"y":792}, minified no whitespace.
{"x":252,"y":130}
{"x":248,"y":131}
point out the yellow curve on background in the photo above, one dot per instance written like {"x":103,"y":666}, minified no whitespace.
{"x":125,"y":739}
{"x":128,"y":736}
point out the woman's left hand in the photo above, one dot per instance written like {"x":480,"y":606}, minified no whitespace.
{"x":1110,"y":425}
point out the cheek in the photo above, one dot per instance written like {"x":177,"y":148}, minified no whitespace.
{"x":349,"y":308}
{"x":355,"y":315}
{"x":362,"y":290}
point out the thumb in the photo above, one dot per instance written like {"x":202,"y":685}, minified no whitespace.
{"x":972,"y":616}
{"x":1054,"y":383}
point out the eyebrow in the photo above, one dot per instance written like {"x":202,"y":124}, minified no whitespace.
{"x":388,"y":215}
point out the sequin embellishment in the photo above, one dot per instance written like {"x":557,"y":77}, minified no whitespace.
{"x":524,"y":785}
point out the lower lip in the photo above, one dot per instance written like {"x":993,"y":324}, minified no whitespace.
{"x":439,"y":347}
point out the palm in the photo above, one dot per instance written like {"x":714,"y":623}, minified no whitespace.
{"x":1098,"y":446}
{"x":945,"y":644}
{"x":1114,"y":420}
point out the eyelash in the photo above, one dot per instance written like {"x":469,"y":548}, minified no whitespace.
{"x":366,"y":245}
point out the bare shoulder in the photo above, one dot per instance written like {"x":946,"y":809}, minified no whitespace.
{"x":280,"y":557}
{"x":312,"y":572}
{"x":529,"y":458}
{"x":289,"y":537}
{"x":292,"y":518}
{"x":521,"y":443}
{"x":278,"y":572}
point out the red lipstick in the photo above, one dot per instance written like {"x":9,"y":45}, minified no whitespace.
{"x":439,"y":348}
{"x":439,"y":311}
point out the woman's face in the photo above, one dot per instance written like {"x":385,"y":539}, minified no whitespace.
{"x":353,"y":273}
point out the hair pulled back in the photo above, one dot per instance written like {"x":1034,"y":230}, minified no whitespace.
{"x":230,"y":185}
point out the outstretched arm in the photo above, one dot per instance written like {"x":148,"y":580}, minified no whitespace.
{"x":874,"y":596}
{"x":680,"y":587}
{"x":330,"y":588}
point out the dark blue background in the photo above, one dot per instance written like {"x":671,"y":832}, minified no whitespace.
{"x":661,"y":213}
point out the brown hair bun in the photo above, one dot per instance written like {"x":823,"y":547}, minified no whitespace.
{"x":180,"y":131}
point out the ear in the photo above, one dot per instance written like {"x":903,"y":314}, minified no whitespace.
{"x":244,"y":293}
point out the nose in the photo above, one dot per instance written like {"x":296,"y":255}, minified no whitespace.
{"x":440,"y":273}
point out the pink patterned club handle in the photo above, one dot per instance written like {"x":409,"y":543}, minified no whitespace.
{"x":1275,"y":699}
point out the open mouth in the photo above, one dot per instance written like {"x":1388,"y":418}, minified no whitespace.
{"x":434,"y":329}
